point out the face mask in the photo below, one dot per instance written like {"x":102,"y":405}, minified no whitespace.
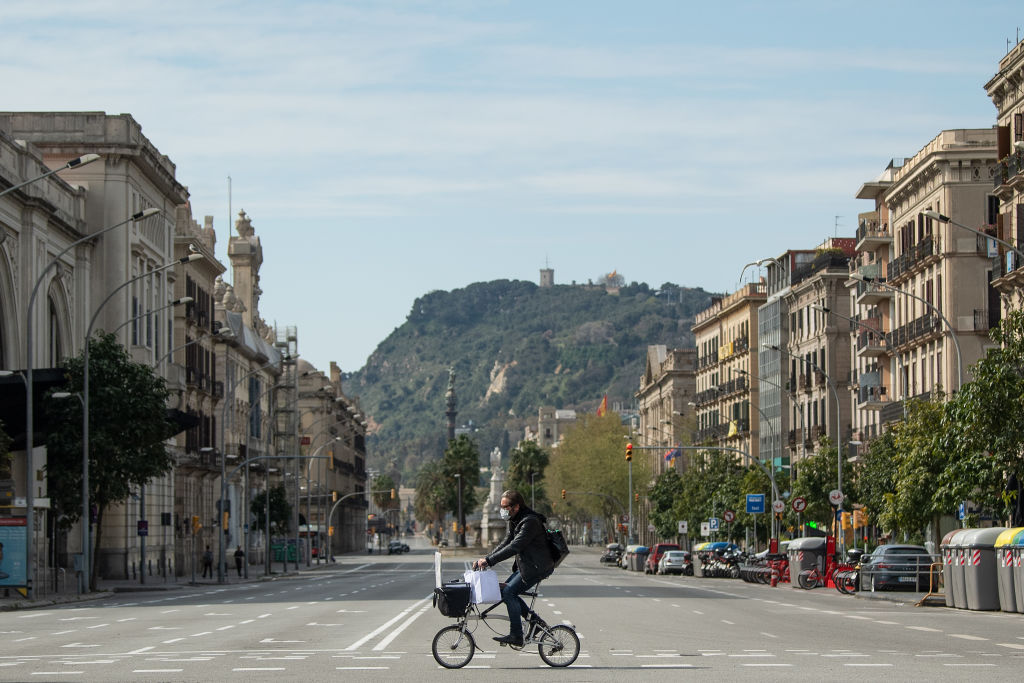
{"x":505,"y":513}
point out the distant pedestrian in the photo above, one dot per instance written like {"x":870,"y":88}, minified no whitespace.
{"x":239,"y":558}
{"x":208,"y":562}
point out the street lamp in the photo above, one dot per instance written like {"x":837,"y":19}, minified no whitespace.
{"x":533,"y":491}
{"x":935,"y":215}
{"x":309,"y":546}
{"x":29,"y":408}
{"x":952,"y":331}
{"x":839,"y":439}
{"x":461,"y":536}
{"x":80,"y":161}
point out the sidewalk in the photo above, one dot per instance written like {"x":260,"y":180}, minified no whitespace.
{"x":11,"y":599}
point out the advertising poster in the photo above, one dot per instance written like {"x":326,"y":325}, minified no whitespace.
{"x":12,"y":551}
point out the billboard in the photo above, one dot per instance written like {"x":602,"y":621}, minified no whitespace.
{"x":12,"y":551}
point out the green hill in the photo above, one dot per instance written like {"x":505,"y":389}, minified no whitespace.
{"x":515,"y":347}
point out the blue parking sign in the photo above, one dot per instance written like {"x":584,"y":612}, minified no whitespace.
{"x":755,"y":503}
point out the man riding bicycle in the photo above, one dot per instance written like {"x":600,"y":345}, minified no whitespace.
{"x":526,"y":540}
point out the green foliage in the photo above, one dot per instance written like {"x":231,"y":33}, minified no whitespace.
{"x":590,"y":461}
{"x":128,"y":426}
{"x":565,"y":346}
{"x":526,"y":458}
{"x":462,"y":458}
{"x":431,"y":498}
{"x":817,"y":475}
{"x":280,"y":510}
{"x":667,"y":488}
{"x":382,"y":486}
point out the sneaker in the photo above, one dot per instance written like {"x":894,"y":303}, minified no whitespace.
{"x":510,"y":640}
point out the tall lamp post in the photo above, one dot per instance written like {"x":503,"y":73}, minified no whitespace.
{"x":80,"y":161}
{"x":946,"y":219}
{"x":839,"y":438}
{"x":460,"y":536}
{"x":29,"y":407}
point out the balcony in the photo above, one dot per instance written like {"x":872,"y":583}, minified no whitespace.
{"x":920,"y":254}
{"x":871,"y":344}
{"x":872,"y":398}
{"x":871,"y":235}
{"x":792,"y":438}
{"x":191,"y":376}
{"x":805,"y":382}
{"x":1009,"y":169}
{"x":924,"y":326}
{"x":218,"y":389}
{"x":871,"y":293}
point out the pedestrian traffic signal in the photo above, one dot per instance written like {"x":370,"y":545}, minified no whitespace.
{"x":563,"y":494}
{"x":629,"y":452}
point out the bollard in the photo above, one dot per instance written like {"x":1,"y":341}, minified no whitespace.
{"x":133,"y":571}
{"x":775,"y":577}
{"x":149,"y":564}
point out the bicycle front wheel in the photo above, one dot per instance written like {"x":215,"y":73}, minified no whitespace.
{"x":453,"y":647}
{"x":559,"y":646}
{"x":807,"y":581}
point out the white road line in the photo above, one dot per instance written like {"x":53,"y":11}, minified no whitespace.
{"x":1014,"y":646}
{"x":157,"y":671}
{"x":259,"y":668}
{"x":384,"y":668}
{"x":172,"y":640}
{"x":768,"y":635}
{"x":764,"y":664}
{"x":924,"y":628}
{"x":726,"y":621}
{"x":968,"y":665}
{"x":394,"y":634}
{"x":667,"y":666}
{"x":204,"y":633}
{"x":55,"y":673}
{"x":141,"y":650}
{"x":862,"y":664}
{"x":356,"y":645}
{"x":966,"y":636}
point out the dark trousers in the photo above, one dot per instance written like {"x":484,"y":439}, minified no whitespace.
{"x":514,"y":587}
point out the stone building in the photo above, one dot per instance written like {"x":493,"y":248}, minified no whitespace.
{"x":725,"y":397}
{"x":1006,"y":213}
{"x":666,"y":388}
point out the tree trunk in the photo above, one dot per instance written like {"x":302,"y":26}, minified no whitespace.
{"x":95,"y":540}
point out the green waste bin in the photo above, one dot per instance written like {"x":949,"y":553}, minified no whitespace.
{"x":1004,"y":569}
{"x":980,"y":574}
{"x":279,"y":552}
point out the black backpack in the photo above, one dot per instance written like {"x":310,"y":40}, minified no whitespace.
{"x":557,"y":545}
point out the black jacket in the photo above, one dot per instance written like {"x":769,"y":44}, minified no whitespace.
{"x":526,"y":538}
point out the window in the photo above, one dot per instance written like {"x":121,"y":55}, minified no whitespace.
{"x":55,"y":351}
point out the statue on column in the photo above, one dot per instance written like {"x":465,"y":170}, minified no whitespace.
{"x":492,"y":527}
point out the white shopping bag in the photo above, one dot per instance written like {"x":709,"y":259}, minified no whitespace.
{"x":483,"y":585}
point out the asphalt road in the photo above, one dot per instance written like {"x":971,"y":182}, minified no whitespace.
{"x":370,"y":618}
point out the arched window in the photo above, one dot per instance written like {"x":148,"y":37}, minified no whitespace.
{"x":55,"y":352}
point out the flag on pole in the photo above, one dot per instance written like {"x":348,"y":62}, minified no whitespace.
{"x":672,"y":454}
{"x":603,"y":408}
{"x":733,"y":429}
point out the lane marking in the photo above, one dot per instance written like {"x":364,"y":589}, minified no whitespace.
{"x":157,"y":671}
{"x":924,"y":628}
{"x":966,"y":636}
{"x":394,"y":634}
{"x":356,"y":645}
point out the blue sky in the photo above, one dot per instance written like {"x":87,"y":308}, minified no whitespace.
{"x":387,"y":149}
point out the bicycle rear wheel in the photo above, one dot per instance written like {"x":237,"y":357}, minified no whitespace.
{"x":807,"y":581}
{"x":559,"y":646}
{"x":453,"y":647}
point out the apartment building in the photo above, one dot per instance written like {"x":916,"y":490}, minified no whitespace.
{"x":666,"y":389}
{"x":1006,"y":213}
{"x":816,"y":358}
{"x":726,"y":385}
{"x":925,"y":285}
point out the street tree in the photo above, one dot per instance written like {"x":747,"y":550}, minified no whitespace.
{"x":816,"y":476}
{"x":382,"y":487}
{"x":526,"y":458}
{"x":280,"y":510}
{"x":431,"y":500}
{"x":662,"y":496}
{"x":462,"y":458}
{"x":127,"y":432}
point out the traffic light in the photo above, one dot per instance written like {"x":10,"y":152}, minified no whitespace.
{"x":455,"y":527}
{"x":392,"y":494}
{"x":334,"y":496}
{"x":629,"y":452}
{"x":196,"y":525}
{"x":224,"y":520}
{"x":563,"y":494}
{"x":636,"y":497}
{"x":330,"y":531}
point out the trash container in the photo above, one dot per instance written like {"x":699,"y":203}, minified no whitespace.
{"x":1018,"y":569}
{"x":980,"y":580}
{"x":956,"y":585}
{"x":805,"y":553}
{"x":948,"y":560}
{"x":1004,"y":569}
{"x":636,"y":561}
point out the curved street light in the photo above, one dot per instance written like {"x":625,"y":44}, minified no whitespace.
{"x":29,"y":412}
{"x":80,"y":161}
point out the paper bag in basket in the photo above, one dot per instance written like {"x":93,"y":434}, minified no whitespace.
{"x":484,"y":586}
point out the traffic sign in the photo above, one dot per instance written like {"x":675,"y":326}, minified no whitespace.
{"x":683,"y":526}
{"x":650,"y":527}
{"x":835,"y":496}
{"x":778,"y":506}
{"x":624,"y":518}
{"x":705,"y":529}
{"x":729,"y":516}
{"x":755,"y":503}
{"x":962,"y":511}
{"x":142,"y":527}
{"x":799,"y":504}
{"x":713,"y":523}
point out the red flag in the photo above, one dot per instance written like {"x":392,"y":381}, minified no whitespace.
{"x":603,"y":408}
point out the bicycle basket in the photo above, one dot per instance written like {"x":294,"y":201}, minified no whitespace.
{"x":452,"y":599}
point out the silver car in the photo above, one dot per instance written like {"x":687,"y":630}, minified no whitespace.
{"x":675,"y":562}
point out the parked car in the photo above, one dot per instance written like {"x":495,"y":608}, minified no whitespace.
{"x":397,"y":547}
{"x":896,"y":567}
{"x":654,"y":557}
{"x":676,"y":562}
